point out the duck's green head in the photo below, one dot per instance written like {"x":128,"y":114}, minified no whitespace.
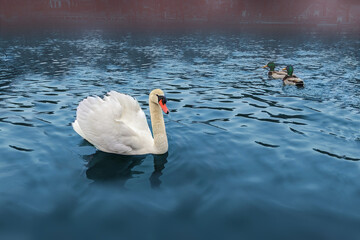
{"x":270,"y":65}
{"x":289,"y":69}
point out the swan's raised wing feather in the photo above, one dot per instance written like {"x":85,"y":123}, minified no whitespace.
{"x":114,"y":124}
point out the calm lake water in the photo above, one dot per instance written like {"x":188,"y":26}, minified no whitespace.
{"x":248,"y":158}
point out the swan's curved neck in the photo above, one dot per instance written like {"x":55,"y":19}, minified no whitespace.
{"x":158,"y":128}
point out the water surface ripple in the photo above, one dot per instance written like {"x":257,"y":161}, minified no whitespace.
{"x":247,"y":156}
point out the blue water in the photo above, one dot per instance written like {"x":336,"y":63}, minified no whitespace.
{"x":248,"y":157}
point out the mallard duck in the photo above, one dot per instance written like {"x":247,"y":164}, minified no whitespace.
{"x":291,"y":79}
{"x":273,"y":73}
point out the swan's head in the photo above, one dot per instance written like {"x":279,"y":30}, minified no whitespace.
{"x":157,"y":96}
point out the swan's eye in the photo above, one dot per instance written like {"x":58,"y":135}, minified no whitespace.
{"x":163,"y":98}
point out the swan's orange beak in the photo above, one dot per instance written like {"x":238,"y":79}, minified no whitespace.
{"x":163,"y":106}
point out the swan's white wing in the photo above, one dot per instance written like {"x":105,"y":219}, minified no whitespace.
{"x":114,"y":124}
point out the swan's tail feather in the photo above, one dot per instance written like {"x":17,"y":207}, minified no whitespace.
{"x":77,"y":129}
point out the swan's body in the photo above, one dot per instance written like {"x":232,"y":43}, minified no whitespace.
{"x":116,"y":124}
{"x":274,"y":74}
{"x":291,"y":79}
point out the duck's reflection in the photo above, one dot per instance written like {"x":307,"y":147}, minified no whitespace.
{"x":107,"y":167}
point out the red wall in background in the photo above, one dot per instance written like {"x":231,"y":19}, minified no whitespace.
{"x":180,"y":11}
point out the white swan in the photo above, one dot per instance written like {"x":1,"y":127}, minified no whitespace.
{"x":116,"y":124}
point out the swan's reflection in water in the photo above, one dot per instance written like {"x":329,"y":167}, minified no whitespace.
{"x":108,"y":167}
{"x":159,"y":165}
